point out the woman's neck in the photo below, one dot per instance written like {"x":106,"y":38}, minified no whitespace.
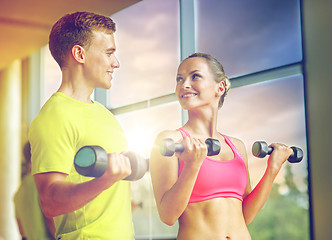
{"x":202,"y":123}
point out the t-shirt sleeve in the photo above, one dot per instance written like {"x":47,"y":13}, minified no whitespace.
{"x":52,"y":144}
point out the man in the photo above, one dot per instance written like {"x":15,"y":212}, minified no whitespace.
{"x":83,"y":208}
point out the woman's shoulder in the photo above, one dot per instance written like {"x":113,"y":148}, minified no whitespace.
{"x":173,"y":134}
{"x":237,"y":142}
{"x":235,"y":139}
{"x":239,"y":145}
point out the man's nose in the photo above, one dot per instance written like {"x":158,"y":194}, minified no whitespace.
{"x":115,"y":62}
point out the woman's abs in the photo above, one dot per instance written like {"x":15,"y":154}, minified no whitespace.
{"x":217,"y":219}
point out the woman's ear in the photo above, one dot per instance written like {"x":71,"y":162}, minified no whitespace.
{"x":78,"y":53}
{"x":221,"y":89}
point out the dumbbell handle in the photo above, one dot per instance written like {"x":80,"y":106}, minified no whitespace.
{"x":261,"y":149}
{"x":169,"y":147}
{"x":92,"y":161}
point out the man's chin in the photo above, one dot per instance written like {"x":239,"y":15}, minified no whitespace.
{"x":106,"y":86}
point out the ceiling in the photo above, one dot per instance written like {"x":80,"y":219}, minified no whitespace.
{"x":25,"y":24}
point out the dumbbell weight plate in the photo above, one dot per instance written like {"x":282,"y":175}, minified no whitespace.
{"x":213,"y":146}
{"x":168,"y":147}
{"x":260,"y":149}
{"x":139,"y":166}
{"x":86,"y":164}
{"x":297,"y":155}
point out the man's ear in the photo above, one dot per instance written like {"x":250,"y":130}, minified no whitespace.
{"x":78,"y":53}
{"x":221,"y":89}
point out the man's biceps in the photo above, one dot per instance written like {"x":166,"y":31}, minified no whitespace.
{"x":44,"y":180}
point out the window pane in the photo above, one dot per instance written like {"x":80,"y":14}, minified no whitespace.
{"x":148,"y":50}
{"x":273,"y":111}
{"x":141,"y":129}
{"x":52,"y":75}
{"x":249,"y":36}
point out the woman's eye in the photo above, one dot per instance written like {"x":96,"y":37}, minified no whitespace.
{"x":179,"y":79}
{"x":195,"y":76}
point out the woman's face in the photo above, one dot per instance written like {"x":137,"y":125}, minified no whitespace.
{"x":196,"y":86}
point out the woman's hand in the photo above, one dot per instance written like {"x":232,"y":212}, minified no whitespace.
{"x":279,"y":155}
{"x":195,"y":151}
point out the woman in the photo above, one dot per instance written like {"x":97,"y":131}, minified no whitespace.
{"x":211,"y":197}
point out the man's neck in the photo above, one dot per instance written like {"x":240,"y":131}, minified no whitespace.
{"x":75,"y":87}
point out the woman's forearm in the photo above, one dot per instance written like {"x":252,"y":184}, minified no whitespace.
{"x":254,"y":202}
{"x":175,"y":200}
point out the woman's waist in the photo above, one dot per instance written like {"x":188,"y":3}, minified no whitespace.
{"x":218,"y":216}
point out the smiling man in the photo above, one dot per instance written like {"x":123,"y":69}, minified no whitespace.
{"x":82,"y":208}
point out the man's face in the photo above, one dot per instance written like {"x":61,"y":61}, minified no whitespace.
{"x":100,"y":60}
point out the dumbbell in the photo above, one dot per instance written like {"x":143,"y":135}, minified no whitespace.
{"x":168,"y":147}
{"x":261,"y":149}
{"x":92,"y":161}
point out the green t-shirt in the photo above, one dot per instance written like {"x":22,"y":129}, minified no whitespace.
{"x":27,"y":210}
{"x":62,"y":127}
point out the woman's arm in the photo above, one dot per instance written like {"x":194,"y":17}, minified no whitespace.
{"x":171,"y":192}
{"x":58,"y":196}
{"x":255,"y":200}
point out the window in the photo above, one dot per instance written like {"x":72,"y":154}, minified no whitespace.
{"x":249,"y":36}
{"x":148,"y":51}
{"x":52,"y":75}
{"x":141,"y":128}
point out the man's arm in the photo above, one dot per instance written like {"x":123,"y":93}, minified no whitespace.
{"x":59,"y":197}
{"x":50,"y":226}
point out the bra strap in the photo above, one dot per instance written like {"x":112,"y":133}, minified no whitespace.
{"x":183,"y":132}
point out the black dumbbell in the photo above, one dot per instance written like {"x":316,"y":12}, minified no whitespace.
{"x":92,"y":161}
{"x":261,"y":149}
{"x":168,"y":147}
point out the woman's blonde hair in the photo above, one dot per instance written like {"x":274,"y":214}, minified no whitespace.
{"x":218,"y":71}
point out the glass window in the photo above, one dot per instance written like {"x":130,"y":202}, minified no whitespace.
{"x":52,"y":75}
{"x":141,"y":128}
{"x":147,"y":42}
{"x":273,"y":111}
{"x":249,"y":36}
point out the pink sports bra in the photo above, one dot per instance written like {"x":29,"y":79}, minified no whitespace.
{"x":215,"y":179}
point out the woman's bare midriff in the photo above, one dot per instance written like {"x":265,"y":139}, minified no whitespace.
{"x":214,"y":219}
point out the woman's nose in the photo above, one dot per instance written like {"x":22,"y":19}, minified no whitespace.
{"x":186,"y":84}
